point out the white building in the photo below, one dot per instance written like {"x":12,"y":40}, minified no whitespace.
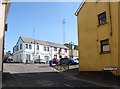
{"x":29,"y":50}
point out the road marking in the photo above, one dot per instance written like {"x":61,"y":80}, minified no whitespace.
{"x":68,"y":85}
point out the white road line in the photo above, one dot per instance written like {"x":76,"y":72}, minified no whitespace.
{"x":68,"y":85}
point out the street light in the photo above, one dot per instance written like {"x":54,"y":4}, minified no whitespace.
{"x":64,"y":30}
{"x":34,"y":44}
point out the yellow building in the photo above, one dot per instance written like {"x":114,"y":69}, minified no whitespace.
{"x":98,"y":36}
{"x":4,"y":7}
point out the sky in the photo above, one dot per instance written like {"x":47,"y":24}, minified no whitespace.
{"x":42,"y":21}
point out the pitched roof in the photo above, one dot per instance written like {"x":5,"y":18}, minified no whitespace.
{"x":41,"y":42}
{"x":70,"y":47}
{"x":79,"y":8}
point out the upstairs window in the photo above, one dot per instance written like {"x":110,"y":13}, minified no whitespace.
{"x":102,"y":18}
{"x":60,"y":50}
{"x":30,"y":46}
{"x":44,"y":48}
{"x":65,"y":50}
{"x":17,"y":48}
{"x":20,"y":46}
{"x":55,"y":56}
{"x":55,"y":48}
{"x":105,"y":46}
{"x":48,"y":49}
{"x":26,"y":46}
{"x":14,"y":49}
{"x":37,"y":47}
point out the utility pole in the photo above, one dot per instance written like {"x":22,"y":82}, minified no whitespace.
{"x":34,"y":44}
{"x":64,"y":30}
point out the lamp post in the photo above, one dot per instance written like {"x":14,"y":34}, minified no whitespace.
{"x":64,"y":30}
{"x":34,"y":44}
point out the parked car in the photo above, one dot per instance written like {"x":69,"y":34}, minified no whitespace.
{"x":64,"y":61}
{"x":43,"y":61}
{"x":76,"y":61}
{"x":37,"y":61}
{"x":40,"y":61}
{"x":9,"y":60}
{"x":71,"y":61}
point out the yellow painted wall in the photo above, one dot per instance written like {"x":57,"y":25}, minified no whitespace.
{"x":119,"y":38}
{"x":90,"y":34}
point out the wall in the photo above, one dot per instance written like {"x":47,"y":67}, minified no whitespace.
{"x":50,"y":54}
{"x":87,"y":22}
{"x":2,"y":17}
{"x":118,"y":38}
{"x":89,"y":44}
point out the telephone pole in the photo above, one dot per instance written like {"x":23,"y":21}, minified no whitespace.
{"x":34,"y":44}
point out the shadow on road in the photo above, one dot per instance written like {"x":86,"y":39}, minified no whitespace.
{"x":59,"y":79}
{"x":39,"y":79}
{"x":104,"y":77}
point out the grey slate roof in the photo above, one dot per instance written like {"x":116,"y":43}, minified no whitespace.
{"x":41,"y":42}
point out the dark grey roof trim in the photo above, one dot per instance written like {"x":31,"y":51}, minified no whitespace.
{"x":79,"y":8}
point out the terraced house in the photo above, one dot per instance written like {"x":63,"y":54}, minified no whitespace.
{"x":31,"y":50}
{"x":99,"y":36}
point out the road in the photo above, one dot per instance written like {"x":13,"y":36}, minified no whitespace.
{"x":41,"y":75}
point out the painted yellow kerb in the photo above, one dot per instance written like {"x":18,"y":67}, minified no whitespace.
{"x":90,"y":34}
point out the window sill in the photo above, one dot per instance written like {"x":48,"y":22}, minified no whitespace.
{"x":101,"y":24}
{"x":107,"y":52}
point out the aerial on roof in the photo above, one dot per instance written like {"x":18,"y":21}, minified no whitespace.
{"x":41,"y":42}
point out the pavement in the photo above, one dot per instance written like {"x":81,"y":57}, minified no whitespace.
{"x":40,"y":75}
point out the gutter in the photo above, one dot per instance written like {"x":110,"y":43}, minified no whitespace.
{"x":110,"y":19}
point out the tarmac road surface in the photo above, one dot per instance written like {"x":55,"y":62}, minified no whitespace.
{"x":41,"y":75}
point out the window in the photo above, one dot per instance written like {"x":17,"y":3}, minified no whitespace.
{"x":39,"y":56}
{"x":60,"y":50}
{"x":55,"y":56}
{"x":55,"y":48}
{"x":28,"y":57}
{"x":48,"y":49}
{"x":20,"y":46}
{"x":14,"y":49}
{"x":37,"y":47}
{"x":17,"y":48}
{"x":65,"y":50}
{"x":102,"y":18}
{"x":26,"y":46}
{"x":104,"y":46}
{"x":44,"y":48}
{"x":30,"y":46}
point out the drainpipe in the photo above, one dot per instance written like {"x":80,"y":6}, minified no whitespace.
{"x":110,"y":20}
